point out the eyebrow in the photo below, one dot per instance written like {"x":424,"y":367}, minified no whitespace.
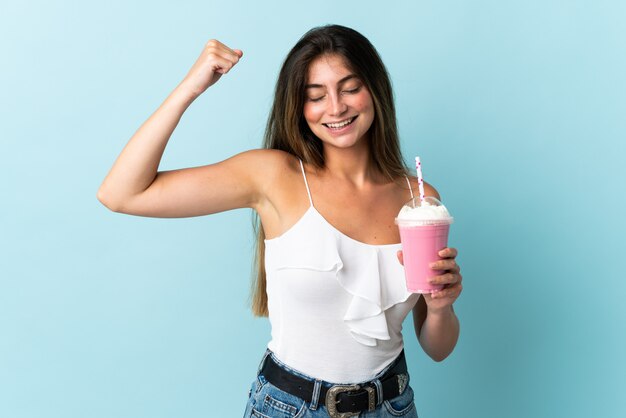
{"x":343,"y":80}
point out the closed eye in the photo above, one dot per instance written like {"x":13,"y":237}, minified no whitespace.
{"x":320,"y":98}
{"x":352,"y":91}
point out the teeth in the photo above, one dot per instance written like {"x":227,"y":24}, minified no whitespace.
{"x":340,"y":124}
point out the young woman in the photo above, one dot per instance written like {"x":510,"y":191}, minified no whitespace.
{"x":329,"y":262}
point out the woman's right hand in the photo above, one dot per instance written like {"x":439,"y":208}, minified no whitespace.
{"x":215,"y":60}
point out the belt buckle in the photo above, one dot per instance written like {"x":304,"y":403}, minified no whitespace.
{"x":331,"y":400}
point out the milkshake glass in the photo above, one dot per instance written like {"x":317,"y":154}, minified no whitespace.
{"x":424,"y":227}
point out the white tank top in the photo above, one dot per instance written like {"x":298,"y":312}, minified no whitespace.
{"x":336,"y":305}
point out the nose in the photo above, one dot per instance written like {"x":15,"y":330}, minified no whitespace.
{"x":336,"y":105}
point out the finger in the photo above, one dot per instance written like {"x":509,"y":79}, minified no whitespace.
{"x":220,"y":50}
{"x":230,"y":53}
{"x":222,"y":66}
{"x":221,"y":61}
{"x":230,"y":59}
{"x":448,"y":253}
{"x":448,"y":278}
{"x":452,"y":292}
{"x":446,"y":264}
{"x":400,"y":257}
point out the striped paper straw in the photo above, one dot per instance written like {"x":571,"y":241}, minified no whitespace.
{"x":420,"y":179}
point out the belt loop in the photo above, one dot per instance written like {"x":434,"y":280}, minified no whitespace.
{"x":267,"y":353}
{"x":316,"y":395}
{"x":379,"y":391}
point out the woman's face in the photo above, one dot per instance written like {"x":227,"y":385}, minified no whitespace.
{"x":338,"y":107}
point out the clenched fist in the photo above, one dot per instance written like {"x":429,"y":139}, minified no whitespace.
{"x":215,"y":60}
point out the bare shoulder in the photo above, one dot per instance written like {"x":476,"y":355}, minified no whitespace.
{"x":269,"y":165}
{"x":262,"y":156}
{"x":276,"y":175}
{"x":282,"y":198}
{"x":261,"y":165}
{"x":429,"y":189}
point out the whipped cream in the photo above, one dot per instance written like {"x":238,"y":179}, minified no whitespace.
{"x":431,"y":211}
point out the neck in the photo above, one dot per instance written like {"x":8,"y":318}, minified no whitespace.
{"x":350,"y":164}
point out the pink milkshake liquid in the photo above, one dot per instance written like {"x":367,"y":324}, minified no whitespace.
{"x":424,"y":228}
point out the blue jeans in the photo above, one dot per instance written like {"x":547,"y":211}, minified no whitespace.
{"x":267,"y":401}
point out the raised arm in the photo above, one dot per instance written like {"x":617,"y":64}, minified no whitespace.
{"x":134,"y":186}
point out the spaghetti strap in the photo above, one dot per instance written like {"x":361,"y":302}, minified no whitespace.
{"x":410,"y":189}
{"x":307,"y":183}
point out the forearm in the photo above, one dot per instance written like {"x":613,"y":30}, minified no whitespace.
{"x":439,"y":333}
{"x":137,"y":165}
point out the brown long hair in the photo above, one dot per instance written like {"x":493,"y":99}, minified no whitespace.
{"x":287,"y":130}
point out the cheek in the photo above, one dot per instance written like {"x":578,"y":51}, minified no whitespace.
{"x":311,"y":114}
{"x":364,"y":103}
{"x":365,"y":107}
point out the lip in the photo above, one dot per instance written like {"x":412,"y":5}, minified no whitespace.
{"x":341,"y":131}
{"x":339,"y":121}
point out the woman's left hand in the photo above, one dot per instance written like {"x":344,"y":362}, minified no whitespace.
{"x":450,"y":278}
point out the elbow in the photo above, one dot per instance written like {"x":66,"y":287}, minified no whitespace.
{"x":439,"y":357}
{"x":106,"y":200}
{"x":437,"y":353}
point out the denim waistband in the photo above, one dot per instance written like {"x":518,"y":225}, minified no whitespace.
{"x":398,"y":363}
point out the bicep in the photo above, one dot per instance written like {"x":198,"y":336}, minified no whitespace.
{"x":229,"y":184}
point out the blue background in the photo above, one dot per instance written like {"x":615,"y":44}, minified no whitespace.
{"x":516,"y":108}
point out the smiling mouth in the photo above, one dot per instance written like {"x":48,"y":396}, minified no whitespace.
{"x":341,"y":124}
